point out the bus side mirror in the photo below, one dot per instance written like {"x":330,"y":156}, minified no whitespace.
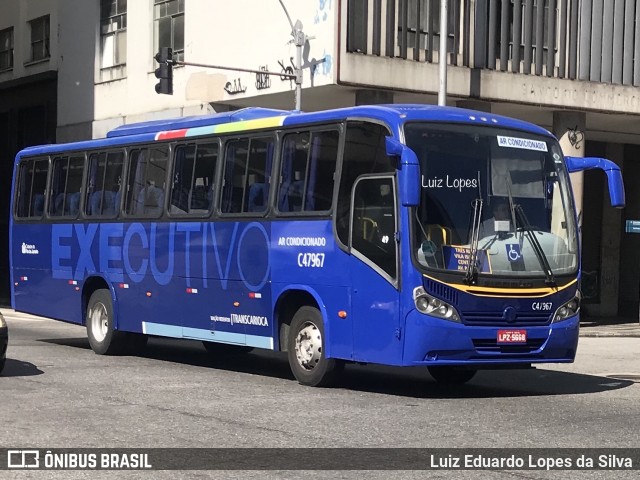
{"x":408,"y":173}
{"x":614,"y":176}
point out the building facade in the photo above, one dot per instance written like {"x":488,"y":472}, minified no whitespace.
{"x":74,"y":70}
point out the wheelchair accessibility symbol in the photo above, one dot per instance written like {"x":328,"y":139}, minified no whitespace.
{"x":513,"y":252}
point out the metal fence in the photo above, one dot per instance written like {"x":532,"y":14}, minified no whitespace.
{"x":596,"y":40}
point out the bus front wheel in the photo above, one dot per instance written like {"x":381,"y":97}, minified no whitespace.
{"x":103,"y":337}
{"x":452,"y":375}
{"x":306,"y":350}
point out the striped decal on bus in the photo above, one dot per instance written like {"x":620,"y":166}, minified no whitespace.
{"x":241,"y":126}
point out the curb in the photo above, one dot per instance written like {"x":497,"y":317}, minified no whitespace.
{"x":611,"y":334}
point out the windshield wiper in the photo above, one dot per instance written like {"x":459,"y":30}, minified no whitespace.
{"x":517,"y":213}
{"x":535,"y":244}
{"x":471,"y":277}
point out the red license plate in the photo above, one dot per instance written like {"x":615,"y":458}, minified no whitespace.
{"x":512,"y":336}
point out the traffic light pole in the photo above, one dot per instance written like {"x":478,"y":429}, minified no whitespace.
{"x":296,"y":76}
{"x":164,"y":57}
{"x":236,"y":69}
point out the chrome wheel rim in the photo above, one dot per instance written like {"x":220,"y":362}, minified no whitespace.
{"x":99,"y":321}
{"x":308,"y":346}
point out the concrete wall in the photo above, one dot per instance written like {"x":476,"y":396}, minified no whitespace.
{"x":76,"y":68}
{"x":17,"y":14}
{"x":221,"y":33}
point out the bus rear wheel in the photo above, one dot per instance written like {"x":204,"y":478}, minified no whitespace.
{"x":452,"y":375}
{"x":103,"y":337}
{"x":306,"y":350}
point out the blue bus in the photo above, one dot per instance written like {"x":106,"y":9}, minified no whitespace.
{"x":405,"y":235}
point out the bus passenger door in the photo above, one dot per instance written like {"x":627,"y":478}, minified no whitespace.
{"x":374,"y":270}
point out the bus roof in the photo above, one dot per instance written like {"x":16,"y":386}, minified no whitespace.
{"x":155,"y":126}
{"x":391,"y":113}
{"x":394,"y":115}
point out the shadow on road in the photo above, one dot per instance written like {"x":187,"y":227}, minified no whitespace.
{"x":412,"y":382}
{"x":417,"y":383}
{"x":190,"y":352}
{"x":81,"y":342}
{"x":271,"y":364}
{"x":18,"y":368}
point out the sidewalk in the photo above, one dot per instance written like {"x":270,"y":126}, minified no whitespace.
{"x":609,"y":327}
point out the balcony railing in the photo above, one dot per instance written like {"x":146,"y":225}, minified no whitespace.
{"x":596,"y":40}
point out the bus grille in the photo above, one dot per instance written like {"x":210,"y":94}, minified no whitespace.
{"x":490,"y":345}
{"x":441,"y":291}
{"x":497,"y":319}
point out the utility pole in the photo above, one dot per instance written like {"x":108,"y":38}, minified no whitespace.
{"x":442,"y":56}
{"x":299,"y":39}
{"x":164,"y":57}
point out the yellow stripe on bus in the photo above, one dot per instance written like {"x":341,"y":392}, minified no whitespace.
{"x":254,"y":124}
{"x":500,"y":291}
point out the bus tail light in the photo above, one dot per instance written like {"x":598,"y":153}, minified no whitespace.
{"x":569,"y":309}
{"x":433,"y":306}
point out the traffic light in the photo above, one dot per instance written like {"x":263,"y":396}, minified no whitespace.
{"x":164,"y":72}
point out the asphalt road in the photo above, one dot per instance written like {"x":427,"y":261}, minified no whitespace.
{"x":56,"y":393}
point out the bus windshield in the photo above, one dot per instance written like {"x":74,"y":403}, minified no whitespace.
{"x":494,"y":202}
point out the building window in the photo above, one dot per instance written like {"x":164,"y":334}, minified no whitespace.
{"x":113,"y":33}
{"x":6,"y":49}
{"x":40,"y":38}
{"x":169,"y":26}
{"x":427,"y":12}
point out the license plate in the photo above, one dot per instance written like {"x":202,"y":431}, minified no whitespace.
{"x":512,"y":336}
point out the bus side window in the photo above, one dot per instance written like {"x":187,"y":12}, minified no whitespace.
{"x":183,"y":167}
{"x":308,"y":171}
{"x":66,"y":181}
{"x":204,"y":176}
{"x":364,"y":152}
{"x":32,"y":184}
{"x":194,"y":170}
{"x":374,"y":222}
{"x":247,"y":173}
{"x":146,"y":183}
{"x":104,"y":180}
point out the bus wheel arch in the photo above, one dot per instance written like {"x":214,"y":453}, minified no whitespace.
{"x":286,"y":307}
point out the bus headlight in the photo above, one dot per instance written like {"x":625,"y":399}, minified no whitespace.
{"x":433,"y":306}
{"x":567,"y":310}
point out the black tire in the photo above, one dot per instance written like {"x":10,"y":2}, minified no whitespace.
{"x":217,"y":349}
{"x":452,"y":375}
{"x":306,"y":352}
{"x":103,"y":337}
{"x":2,"y":362}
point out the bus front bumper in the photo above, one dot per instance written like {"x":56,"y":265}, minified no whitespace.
{"x":431,"y":341}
